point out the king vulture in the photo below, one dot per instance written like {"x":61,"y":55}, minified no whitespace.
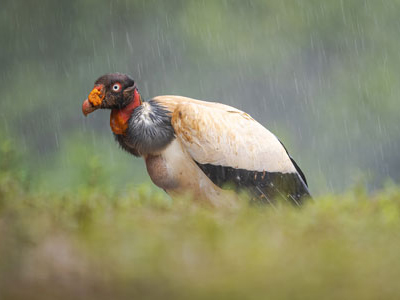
{"x":197,"y":147}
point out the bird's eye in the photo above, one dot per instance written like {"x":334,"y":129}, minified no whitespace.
{"x":116,"y":87}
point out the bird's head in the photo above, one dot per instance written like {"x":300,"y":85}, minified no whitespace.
{"x":112,"y":91}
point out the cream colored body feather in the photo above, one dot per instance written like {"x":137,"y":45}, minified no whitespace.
{"x":212,"y":133}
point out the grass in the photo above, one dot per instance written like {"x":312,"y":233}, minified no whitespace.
{"x":139,"y":244}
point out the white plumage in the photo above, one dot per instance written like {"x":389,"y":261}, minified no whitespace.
{"x":228,"y":137}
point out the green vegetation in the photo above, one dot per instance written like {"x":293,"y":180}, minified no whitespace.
{"x":138,"y":244}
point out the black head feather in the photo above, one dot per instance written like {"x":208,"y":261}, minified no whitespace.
{"x":116,"y":98}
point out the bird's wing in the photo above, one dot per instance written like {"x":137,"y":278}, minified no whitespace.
{"x":172,"y":101}
{"x":218,"y":134}
{"x":230,"y":146}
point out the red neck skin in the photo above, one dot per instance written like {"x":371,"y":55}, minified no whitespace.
{"x":126,"y":112}
{"x":119,"y":117}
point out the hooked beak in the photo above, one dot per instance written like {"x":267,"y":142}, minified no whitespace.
{"x":94,"y":100}
{"x":87,"y":107}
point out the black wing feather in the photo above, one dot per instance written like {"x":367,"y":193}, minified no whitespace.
{"x":295,"y":165}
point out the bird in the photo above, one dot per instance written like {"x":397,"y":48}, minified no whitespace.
{"x":208,"y":150}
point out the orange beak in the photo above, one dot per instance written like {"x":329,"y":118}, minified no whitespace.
{"x":94,"y":99}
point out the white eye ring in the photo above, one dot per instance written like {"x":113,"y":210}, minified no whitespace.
{"x":116,"y":87}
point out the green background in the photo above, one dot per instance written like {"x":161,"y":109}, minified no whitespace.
{"x":322,"y":75}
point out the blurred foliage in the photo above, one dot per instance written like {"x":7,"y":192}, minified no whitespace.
{"x":14,"y":176}
{"x":140,"y":244}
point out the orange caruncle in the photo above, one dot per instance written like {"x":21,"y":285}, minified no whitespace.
{"x":94,"y":97}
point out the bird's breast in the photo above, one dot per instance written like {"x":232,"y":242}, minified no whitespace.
{"x":168,"y":169}
{"x":158,"y":171}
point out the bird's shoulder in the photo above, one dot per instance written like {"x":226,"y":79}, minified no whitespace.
{"x":175,"y":104}
{"x":223,"y":135}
